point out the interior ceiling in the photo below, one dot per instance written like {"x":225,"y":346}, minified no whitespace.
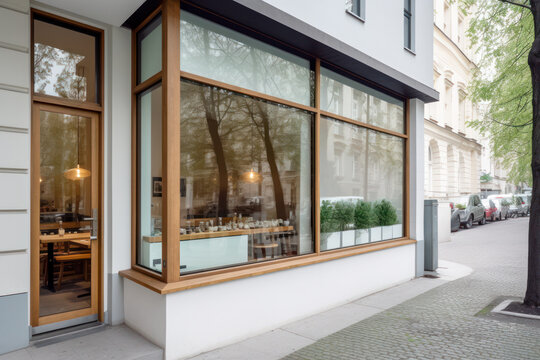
{"x":113,"y":12}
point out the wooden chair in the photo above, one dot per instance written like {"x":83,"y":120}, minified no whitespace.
{"x":271,"y":244}
{"x":63,"y":259}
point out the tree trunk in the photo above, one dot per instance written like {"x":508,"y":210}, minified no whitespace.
{"x":213,"y":129}
{"x":532,"y":295}
{"x":281,"y":212}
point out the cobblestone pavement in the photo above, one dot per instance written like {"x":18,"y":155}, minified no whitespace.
{"x":441,"y":323}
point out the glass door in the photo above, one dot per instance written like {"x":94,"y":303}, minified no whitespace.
{"x":65,"y":216}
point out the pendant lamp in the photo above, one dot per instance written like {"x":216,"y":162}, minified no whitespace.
{"x":77,"y":173}
{"x":251,"y":176}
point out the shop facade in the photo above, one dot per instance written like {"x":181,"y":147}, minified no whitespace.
{"x":207,"y":171}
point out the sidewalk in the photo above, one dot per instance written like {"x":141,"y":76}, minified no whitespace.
{"x":120,"y":342}
{"x":281,"y":342}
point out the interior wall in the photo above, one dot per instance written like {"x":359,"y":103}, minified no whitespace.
{"x":14,"y":173}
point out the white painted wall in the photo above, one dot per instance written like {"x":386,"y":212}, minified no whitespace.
{"x":14,"y":146}
{"x":118,"y":159}
{"x":416,"y":180}
{"x":380,"y":36}
{"x":209,"y":317}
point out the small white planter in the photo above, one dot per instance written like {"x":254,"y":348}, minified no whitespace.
{"x":375,"y":234}
{"x":362,"y":236}
{"x":347,"y":238}
{"x":397,"y":231}
{"x":330,"y":241}
{"x":387,"y":232}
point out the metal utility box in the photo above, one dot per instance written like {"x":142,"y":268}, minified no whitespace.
{"x":431,"y":240}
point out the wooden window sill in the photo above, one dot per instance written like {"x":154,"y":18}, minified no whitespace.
{"x":215,"y":277}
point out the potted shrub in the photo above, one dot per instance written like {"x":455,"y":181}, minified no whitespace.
{"x":363,"y":221}
{"x":344,"y":218}
{"x":386,"y":216}
{"x":330,"y":238}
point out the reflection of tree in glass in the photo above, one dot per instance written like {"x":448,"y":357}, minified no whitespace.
{"x":236,"y":59}
{"x":70,"y":83}
{"x":58,"y":152}
{"x":242,"y":133}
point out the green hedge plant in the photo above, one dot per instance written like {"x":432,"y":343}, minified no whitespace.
{"x":328,"y":223}
{"x":385,"y":213}
{"x":344,"y":214}
{"x":363,"y":215}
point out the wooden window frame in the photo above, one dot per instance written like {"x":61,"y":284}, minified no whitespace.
{"x":67,"y":104}
{"x":169,"y":280}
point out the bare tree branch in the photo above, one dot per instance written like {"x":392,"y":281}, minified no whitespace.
{"x":518,"y":4}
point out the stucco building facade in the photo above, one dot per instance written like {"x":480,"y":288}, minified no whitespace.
{"x":452,"y":149}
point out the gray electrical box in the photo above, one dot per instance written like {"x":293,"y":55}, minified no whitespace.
{"x":431,"y":238}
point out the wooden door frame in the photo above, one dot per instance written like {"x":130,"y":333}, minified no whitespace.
{"x":97,"y":269}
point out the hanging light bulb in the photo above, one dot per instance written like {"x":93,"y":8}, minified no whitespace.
{"x":77,"y":173}
{"x":251,"y":176}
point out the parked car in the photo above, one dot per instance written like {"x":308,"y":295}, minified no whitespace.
{"x":491,"y":209}
{"x":515,"y":204}
{"x":455,"y":221}
{"x":470,"y":210}
{"x":526,"y":202}
{"x":502,"y":209}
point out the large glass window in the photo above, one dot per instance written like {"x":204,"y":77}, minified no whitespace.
{"x":65,"y":62}
{"x":149,"y":50}
{"x":361,"y":179}
{"x":216,"y":52}
{"x":149,"y":178}
{"x":343,"y":96}
{"x":246,"y":179}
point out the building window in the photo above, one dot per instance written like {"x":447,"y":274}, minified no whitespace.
{"x":374,"y":107}
{"x":374,"y":210}
{"x":448,"y":104}
{"x":149,"y":50}
{"x":241,"y":190}
{"x":408,"y":24}
{"x":447,"y":19}
{"x":252,"y":202}
{"x":218,"y":53}
{"x":356,"y":7}
{"x":66,"y":62}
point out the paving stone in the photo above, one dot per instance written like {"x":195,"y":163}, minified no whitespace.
{"x":441,"y":323}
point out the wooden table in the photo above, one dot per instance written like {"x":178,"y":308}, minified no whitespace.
{"x":50,"y":240}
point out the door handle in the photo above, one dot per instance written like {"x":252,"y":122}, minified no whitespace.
{"x":93,"y":224}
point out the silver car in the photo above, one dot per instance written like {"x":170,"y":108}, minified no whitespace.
{"x":502,"y":210}
{"x":470,"y":210}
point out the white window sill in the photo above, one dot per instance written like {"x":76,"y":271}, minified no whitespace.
{"x":410,"y":51}
{"x":356,"y":16}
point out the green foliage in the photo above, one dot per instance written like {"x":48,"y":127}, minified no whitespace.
{"x":485,"y":178}
{"x":385,"y":213}
{"x":503,"y":34}
{"x":460,"y":206}
{"x":363,"y":215}
{"x":344,"y":214}
{"x":328,"y":223}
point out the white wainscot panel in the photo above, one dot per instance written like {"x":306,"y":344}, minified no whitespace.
{"x":14,"y":273}
{"x":16,"y":150}
{"x":14,"y":191}
{"x":14,"y":109}
{"x":14,"y":231}
{"x":19,"y":29}
{"x":15,"y":69}
{"x":209,"y":317}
